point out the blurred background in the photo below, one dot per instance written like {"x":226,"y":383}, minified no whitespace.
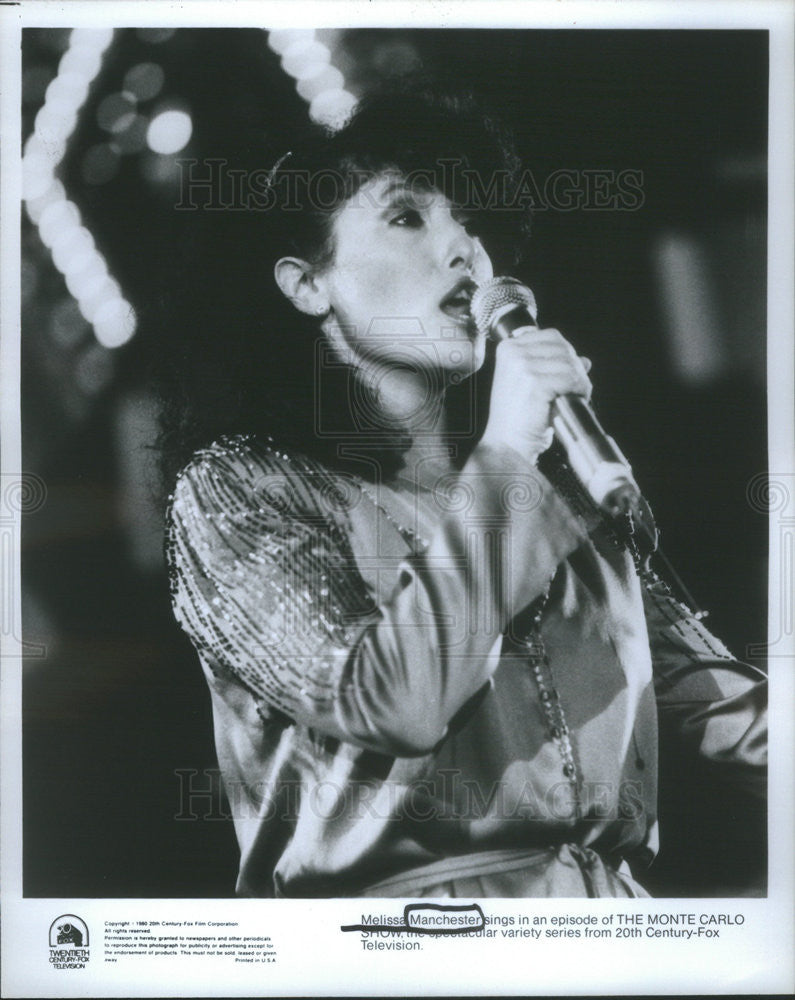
{"x":666,"y":294}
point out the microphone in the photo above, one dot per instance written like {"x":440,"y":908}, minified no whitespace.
{"x":499,"y":308}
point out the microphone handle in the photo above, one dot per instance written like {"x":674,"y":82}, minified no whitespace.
{"x":594,"y":456}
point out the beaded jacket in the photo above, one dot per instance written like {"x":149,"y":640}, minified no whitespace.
{"x":387,"y":717}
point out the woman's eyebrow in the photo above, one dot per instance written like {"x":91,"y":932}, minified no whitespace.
{"x":399,"y":192}
{"x":394,"y":197}
{"x":393,"y":192}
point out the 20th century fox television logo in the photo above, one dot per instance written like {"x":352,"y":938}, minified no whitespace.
{"x":68,"y":942}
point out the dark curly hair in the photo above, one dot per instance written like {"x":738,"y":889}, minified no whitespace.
{"x":237,"y":356}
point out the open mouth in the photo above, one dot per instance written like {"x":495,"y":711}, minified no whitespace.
{"x":456,"y":303}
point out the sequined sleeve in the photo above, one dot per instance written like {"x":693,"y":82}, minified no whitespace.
{"x":712,"y":702}
{"x":265,"y":584}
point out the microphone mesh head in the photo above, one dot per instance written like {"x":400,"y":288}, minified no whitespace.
{"x":491,"y":298}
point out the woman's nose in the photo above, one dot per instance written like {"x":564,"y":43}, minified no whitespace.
{"x":460,"y":248}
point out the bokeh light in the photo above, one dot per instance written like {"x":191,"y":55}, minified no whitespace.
{"x":83,"y":61}
{"x":103,"y":289}
{"x":67,"y":327}
{"x":169,"y":132}
{"x":69,"y":246}
{"x":99,"y":297}
{"x":57,"y":217}
{"x":114,"y":323}
{"x":326,"y":78}
{"x":282,"y":39}
{"x":319,"y":83}
{"x":93,"y":38}
{"x":70,"y":89}
{"x":305,"y":60}
{"x":94,"y":369}
{"x":133,"y":138}
{"x":85,"y":281}
{"x":36,"y":175}
{"x":116,"y":112}
{"x":35,"y":147}
{"x":160,"y":169}
{"x":144,"y":81}
{"x":35,"y":207}
{"x":55,"y":123}
{"x":155,"y":36}
{"x":332,"y":107}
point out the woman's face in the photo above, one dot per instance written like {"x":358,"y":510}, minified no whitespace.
{"x":402,"y":277}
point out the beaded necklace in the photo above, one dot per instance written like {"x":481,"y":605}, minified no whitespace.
{"x":557,"y":726}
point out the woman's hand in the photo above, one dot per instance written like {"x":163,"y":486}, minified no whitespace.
{"x":532,"y":368}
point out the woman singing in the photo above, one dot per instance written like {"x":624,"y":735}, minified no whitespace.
{"x":436,"y":669}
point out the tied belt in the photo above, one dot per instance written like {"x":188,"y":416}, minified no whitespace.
{"x":567,"y":870}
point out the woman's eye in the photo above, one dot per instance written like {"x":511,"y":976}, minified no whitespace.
{"x":410,"y":218}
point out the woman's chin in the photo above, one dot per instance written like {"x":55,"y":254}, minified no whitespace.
{"x":465,"y":357}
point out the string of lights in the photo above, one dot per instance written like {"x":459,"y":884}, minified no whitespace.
{"x":321,"y":85}
{"x":74,"y":253}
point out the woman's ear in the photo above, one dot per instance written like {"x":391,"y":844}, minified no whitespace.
{"x":295,"y":278}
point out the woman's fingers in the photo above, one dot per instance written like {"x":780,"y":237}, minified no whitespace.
{"x":532,"y":368}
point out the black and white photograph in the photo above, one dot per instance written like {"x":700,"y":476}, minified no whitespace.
{"x":397,"y":492}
